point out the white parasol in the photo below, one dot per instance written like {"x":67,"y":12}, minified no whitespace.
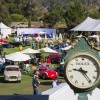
{"x":17,"y":56}
{"x":48,"y":50}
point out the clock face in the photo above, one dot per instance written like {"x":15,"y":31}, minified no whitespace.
{"x":82,"y":71}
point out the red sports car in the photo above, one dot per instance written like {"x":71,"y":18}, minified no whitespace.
{"x":46,"y":72}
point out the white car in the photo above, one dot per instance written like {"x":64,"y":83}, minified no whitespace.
{"x":12,"y":73}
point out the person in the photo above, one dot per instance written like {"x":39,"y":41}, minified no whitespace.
{"x":33,"y":45}
{"x":54,"y":83}
{"x":48,"y":60}
{"x":35,"y":84}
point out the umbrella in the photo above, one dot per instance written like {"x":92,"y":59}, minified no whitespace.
{"x":29,"y":50}
{"x":67,"y":48}
{"x":17,"y":56}
{"x":48,"y":50}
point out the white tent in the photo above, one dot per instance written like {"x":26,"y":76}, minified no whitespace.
{"x":5,"y":30}
{"x":48,"y":50}
{"x":17,"y":56}
{"x":29,"y":50}
{"x":64,"y":92}
{"x":88,"y":25}
{"x":61,"y":92}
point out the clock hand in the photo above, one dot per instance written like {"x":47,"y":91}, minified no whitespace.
{"x":87,"y":78}
{"x":80,"y":70}
{"x":83,"y":72}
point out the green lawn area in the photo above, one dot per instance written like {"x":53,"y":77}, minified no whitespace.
{"x":25,"y":87}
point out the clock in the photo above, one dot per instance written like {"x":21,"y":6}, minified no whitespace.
{"x":82,"y":71}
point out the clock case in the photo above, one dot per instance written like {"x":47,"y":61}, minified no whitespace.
{"x":81,"y":47}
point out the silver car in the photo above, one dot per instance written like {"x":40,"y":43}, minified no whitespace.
{"x":12,"y":73}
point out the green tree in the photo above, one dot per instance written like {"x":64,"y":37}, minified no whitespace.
{"x":53,"y":16}
{"x":17,"y":17}
{"x":4,"y":13}
{"x":74,"y":13}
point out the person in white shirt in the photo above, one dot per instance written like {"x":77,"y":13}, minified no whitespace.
{"x":54,"y":83}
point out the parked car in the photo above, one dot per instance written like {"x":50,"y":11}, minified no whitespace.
{"x":7,"y":45}
{"x":56,"y":47}
{"x":12,"y":73}
{"x":46,"y":72}
{"x":62,"y":45}
{"x":17,"y":44}
{"x":55,"y":57}
{"x":60,"y":70}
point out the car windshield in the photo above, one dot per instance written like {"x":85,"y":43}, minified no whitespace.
{"x":12,"y":69}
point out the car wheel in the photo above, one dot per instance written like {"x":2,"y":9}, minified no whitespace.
{"x":44,"y":77}
{"x":19,"y":81}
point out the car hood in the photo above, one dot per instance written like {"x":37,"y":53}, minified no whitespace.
{"x":50,"y":72}
{"x":10,"y":73}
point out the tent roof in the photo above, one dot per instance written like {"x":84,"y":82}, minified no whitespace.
{"x":88,"y":24}
{"x":3,"y":26}
{"x":61,"y":92}
{"x":17,"y":56}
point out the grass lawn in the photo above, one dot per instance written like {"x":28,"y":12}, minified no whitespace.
{"x":25,"y":87}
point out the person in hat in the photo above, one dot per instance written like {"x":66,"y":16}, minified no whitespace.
{"x":35,"y":84}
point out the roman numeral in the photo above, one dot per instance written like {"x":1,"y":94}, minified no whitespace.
{"x":94,"y":77}
{"x":82,"y":84}
{"x":71,"y":76}
{"x":76,"y":82}
{"x":69,"y":70}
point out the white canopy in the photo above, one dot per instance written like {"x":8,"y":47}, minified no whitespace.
{"x":64,"y":92}
{"x":88,"y":25}
{"x":61,"y":92}
{"x":17,"y":56}
{"x":29,"y":50}
{"x":67,"y":48}
{"x":48,"y":50}
{"x":5,"y":30}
